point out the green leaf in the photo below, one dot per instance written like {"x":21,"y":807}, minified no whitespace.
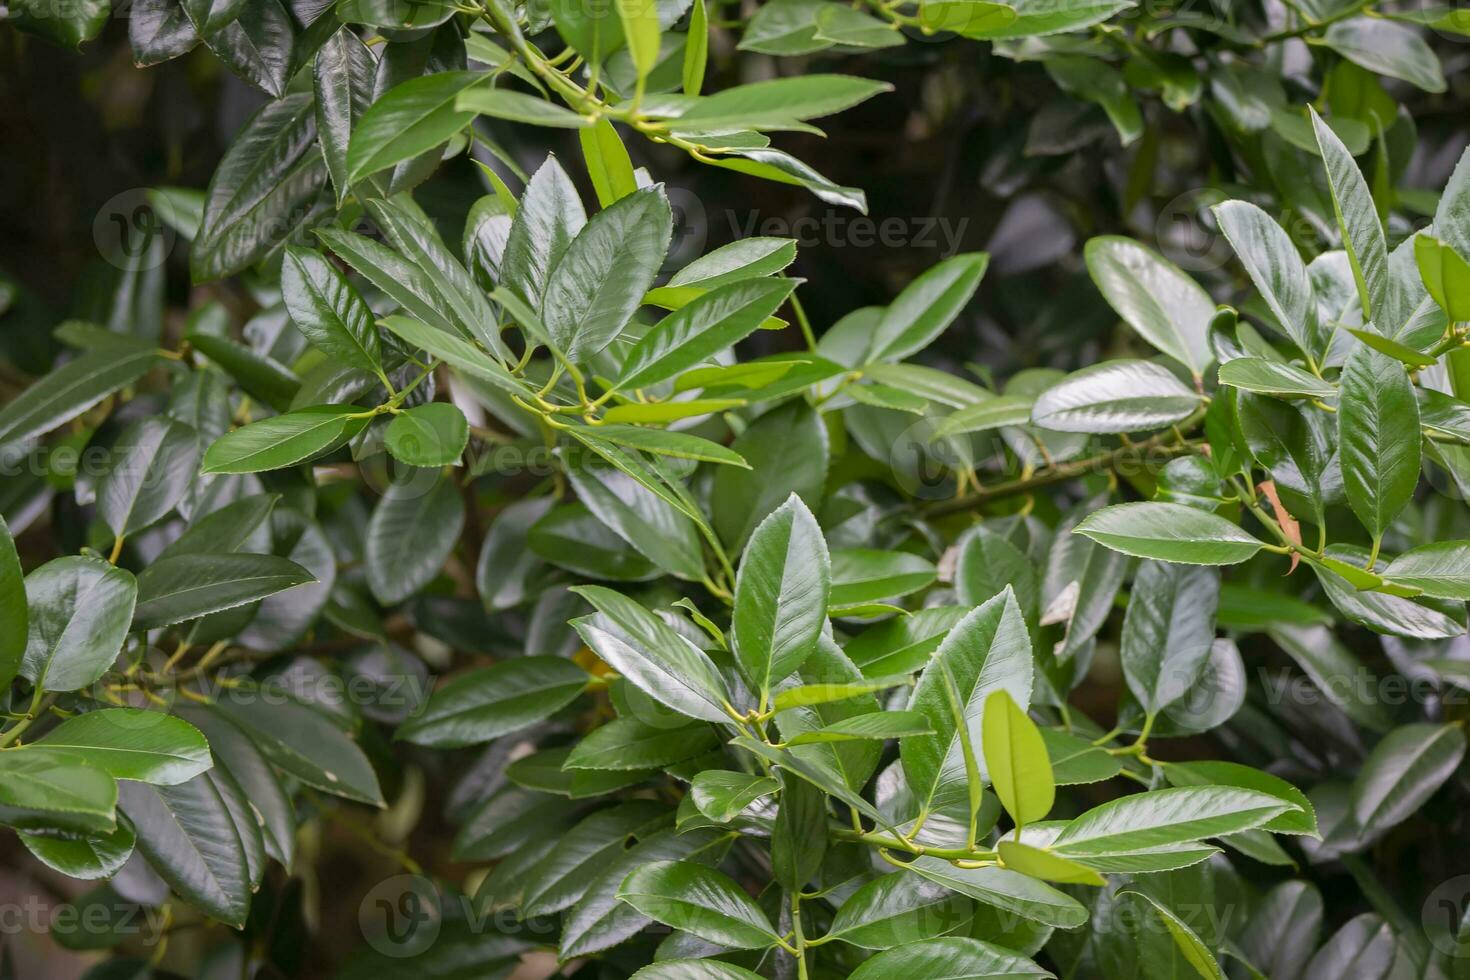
{"x":284,"y":440}
{"x":799,"y":835}
{"x":234,"y":750}
{"x":781,"y":595}
{"x":403,"y":281}
{"x":659,"y":413}
{"x":1168,"y":631}
{"x":1167,"y":816}
{"x":411,"y":534}
{"x":342,"y":77}
{"x":70,"y":390}
{"x":695,"y":970}
{"x":1394,"y":349}
{"x":879,"y":725}
{"x":698,"y":900}
{"x":1016,"y":760}
{"x":570,"y":537}
{"x":1274,"y":378}
{"x":696,"y":50}
{"x":1334,"y":670}
{"x":129,"y":743}
{"x":745,"y":258}
{"x":489,"y":702}
{"x":1169,"y":532}
{"x":1153,"y":296}
{"x":80,"y":613}
{"x":846,"y":26}
{"x":549,"y":217}
{"x":898,"y":910}
{"x":1387,"y":48}
{"x":1276,"y":268}
{"x":153,"y":463}
{"x":608,"y":163}
{"x":41,"y":793}
{"x":1440,"y":568}
{"x":1006,"y":890}
{"x":428,"y":435}
{"x":328,"y":310}
{"x":88,"y":857}
{"x":777,"y":102}
{"x":822,"y":693}
{"x":647,"y":651}
{"x":787,"y":451}
{"x":192,"y":839}
{"x":1446,"y":275}
{"x":987,"y":651}
{"x":647,"y":522}
{"x":628,"y":743}
{"x":518,"y":107}
{"x":866,"y":575}
{"x":702,"y":328}
{"x":454,"y":293}
{"x":1380,"y":464}
{"x":1403,"y":771}
{"x":595,"y":288}
{"x":992,"y":413}
{"x":262,"y":377}
{"x":303,"y":743}
{"x":409,"y":119}
{"x":267,"y":186}
{"x":639,"y":19}
{"x":14,"y":615}
{"x":1362,"y":233}
{"x":1076,"y":761}
{"x":563,"y":876}
{"x":948,"y":957}
{"x":680,"y":445}
{"x":68,"y":25}
{"x":600,"y":920}
{"x":721,"y":795}
{"x":926,"y":307}
{"x":1302,"y":820}
{"x":184,"y":587}
{"x":1115,"y":396}
{"x":1043,"y":864}
{"x":459,"y":354}
{"x":1190,"y":946}
{"x":159,"y":32}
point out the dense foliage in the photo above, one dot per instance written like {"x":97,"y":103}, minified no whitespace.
{"x":444,"y":493}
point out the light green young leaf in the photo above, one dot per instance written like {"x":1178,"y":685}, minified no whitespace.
{"x":1016,"y":760}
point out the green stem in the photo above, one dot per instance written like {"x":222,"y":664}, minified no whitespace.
{"x":1162,"y":444}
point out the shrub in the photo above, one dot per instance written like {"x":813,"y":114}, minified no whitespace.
{"x":626,"y":612}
